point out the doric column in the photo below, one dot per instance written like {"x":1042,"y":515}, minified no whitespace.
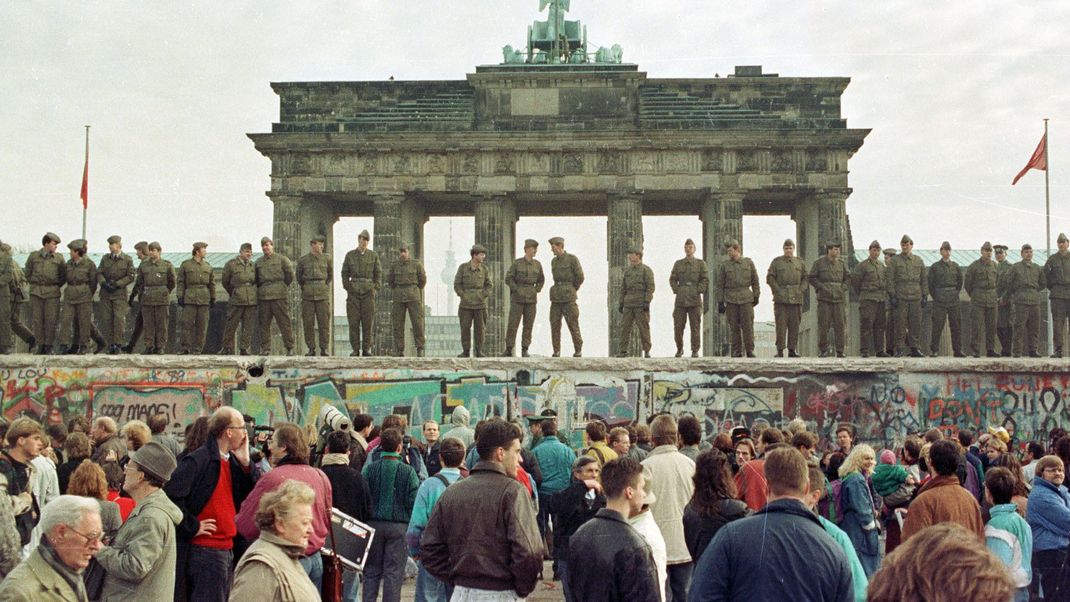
{"x":624,"y":229}
{"x":413,"y":217}
{"x":286,"y":233}
{"x":385,"y":240}
{"x":722,"y":220}
{"x":495,"y":217}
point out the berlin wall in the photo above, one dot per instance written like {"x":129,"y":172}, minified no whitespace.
{"x":884,"y":399}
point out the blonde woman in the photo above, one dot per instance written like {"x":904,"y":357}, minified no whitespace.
{"x":859,"y":516}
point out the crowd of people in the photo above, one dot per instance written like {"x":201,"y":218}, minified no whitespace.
{"x":645,"y":512}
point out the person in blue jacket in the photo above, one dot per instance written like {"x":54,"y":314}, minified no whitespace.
{"x":859,"y":514}
{"x":1048,"y":514}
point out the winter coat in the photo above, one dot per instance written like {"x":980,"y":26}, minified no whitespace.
{"x":571,"y":508}
{"x":426,"y":498}
{"x":699,"y":530}
{"x":195,"y":479}
{"x":140,"y":563}
{"x":349,"y":490}
{"x":859,"y":580}
{"x":270,"y":572}
{"x":1048,"y":514}
{"x":859,"y":521}
{"x":617,"y":564}
{"x":555,"y":461}
{"x":942,"y":500}
{"x":34,"y":579}
{"x":302,"y":473}
{"x":750,"y":481}
{"x":668,"y":475}
{"x":461,"y":430}
{"x":1009,"y":537}
{"x":393,"y":485}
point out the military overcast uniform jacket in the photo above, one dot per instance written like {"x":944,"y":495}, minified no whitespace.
{"x":869,"y":281}
{"x":314,"y":276}
{"x":830,"y":278}
{"x":196,"y":282}
{"x":945,"y":282}
{"x":274,"y":275}
{"x":788,"y":279}
{"x":906,"y":278}
{"x":689,"y":280}
{"x":568,"y":276}
{"x":115,"y":273}
{"x":407,"y":279}
{"x":362,"y":273}
{"x":525,"y":280}
{"x":46,"y":273}
{"x":155,"y":280}
{"x":637,"y":286}
{"x":81,"y":281}
{"x":982,"y":279}
{"x":473,"y":285}
{"x":737,"y":282}
{"x":239,"y":280}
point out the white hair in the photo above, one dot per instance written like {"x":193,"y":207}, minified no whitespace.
{"x":67,"y":510}
{"x":107,"y":424}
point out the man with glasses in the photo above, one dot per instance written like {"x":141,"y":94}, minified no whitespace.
{"x":209,"y":486}
{"x":72,"y":536}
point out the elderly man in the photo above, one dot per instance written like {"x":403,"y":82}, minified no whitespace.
{"x":105,"y":436}
{"x":53,"y":571}
{"x":140,"y":563}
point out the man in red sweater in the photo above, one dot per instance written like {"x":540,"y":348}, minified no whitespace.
{"x":209,"y":486}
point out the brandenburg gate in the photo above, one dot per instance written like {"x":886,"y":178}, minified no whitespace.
{"x":558,"y":131}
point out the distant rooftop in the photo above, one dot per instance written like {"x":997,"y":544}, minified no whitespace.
{"x":963,"y":257}
{"x":216,"y":260}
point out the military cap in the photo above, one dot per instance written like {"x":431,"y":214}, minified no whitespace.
{"x":789,"y":243}
{"x":1027,"y":247}
{"x":906,"y":239}
{"x":999,"y":248}
{"x":945,"y":245}
{"x":548,"y":413}
{"x":141,"y":245}
{"x":638,"y":250}
{"x":115,"y":239}
{"x":987,"y":246}
{"x":832,"y":244}
{"x":689,"y":242}
{"x":531,"y":242}
{"x":154,"y":245}
{"x":246,"y":246}
{"x":365,"y":235}
{"x":477,"y":249}
{"x":5,"y":248}
{"x":319,"y":238}
{"x":77,"y":244}
{"x":731,"y":242}
{"x":404,"y":246}
{"x":265,"y":240}
{"x":1063,"y":238}
{"x":891,"y":251}
{"x":50,"y":237}
{"x":557,"y":240}
{"x":875,"y":245}
{"x":200,"y":245}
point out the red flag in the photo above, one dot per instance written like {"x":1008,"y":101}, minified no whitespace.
{"x":85,"y":180}
{"x":1039,"y":160}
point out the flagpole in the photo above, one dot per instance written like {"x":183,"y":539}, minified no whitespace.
{"x":1047,"y":218}
{"x":85,"y":205}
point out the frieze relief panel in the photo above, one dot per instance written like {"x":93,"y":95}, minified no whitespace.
{"x":817,"y":160}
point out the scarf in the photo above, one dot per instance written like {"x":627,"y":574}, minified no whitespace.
{"x":73,"y":578}
{"x":280,"y":556}
{"x":335,"y":460}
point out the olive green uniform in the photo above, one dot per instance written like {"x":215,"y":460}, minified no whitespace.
{"x":473,"y":285}
{"x":690,"y":282}
{"x":46,"y":273}
{"x":274,"y":275}
{"x":19,"y":298}
{"x":115,"y":273}
{"x":407,"y":280}
{"x":239,"y":280}
{"x":787,"y":278}
{"x":636,"y":293}
{"x":525,"y":281}
{"x":1003,"y":317}
{"x":8,"y":286}
{"x":982,"y":278}
{"x":568,"y":277}
{"x":830,"y":278}
{"x":907,"y":290}
{"x":869,"y":283}
{"x":945,"y":283}
{"x":737,"y":287}
{"x":81,"y":276}
{"x":314,"y":276}
{"x":362,"y":275}
{"x":155,"y":281}
{"x":196,"y":295}
{"x":1023,"y":285}
{"x":1057,"y":273}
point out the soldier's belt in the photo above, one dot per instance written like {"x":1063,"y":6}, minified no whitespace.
{"x":147,"y":286}
{"x":360,"y":279}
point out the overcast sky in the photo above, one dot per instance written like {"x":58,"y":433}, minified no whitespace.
{"x":955,"y":93}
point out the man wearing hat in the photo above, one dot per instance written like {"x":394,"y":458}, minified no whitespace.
{"x":142,"y":251}
{"x":982,"y":279}
{"x":868,"y":282}
{"x":889,"y":311}
{"x":274,"y":275}
{"x":239,"y":280}
{"x":1023,"y":286}
{"x":155,"y":281}
{"x":737,"y":290}
{"x":314,"y":271}
{"x":362,"y":275}
{"x":568,"y":276}
{"x":636,"y":293}
{"x":196,"y":296}
{"x":140,"y":563}
{"x":945,"y":283}
{"x":46,"y":272}
{"x":525,"y":281}
{"x":407,"y":280}
{"x":830,"y":278}
{"x":114,"y":275}
{"x":787,"y":278}
{"x":1057,"y":272}
{"x":1003,"y":317}
{"x":907,"y":293}
{"x":81,"y":278}
{"x":473,"y":285}
{"x":690,"y":283}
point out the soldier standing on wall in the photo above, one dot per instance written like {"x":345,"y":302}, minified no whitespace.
{"x":830,"y":278}
{"x":690,"y":282}
{"x":737,"y":290}
{"x":18,"y":298}
{"x":239,"y":280}
{"x":407,"y":279}
{"x":868,"y":282}
{"x":46,"y":273}
{"x":787,"y":278}
{"x":982,"y":278}
{"x":314,"y":276}
{"x":473,"y":285}
{"x":1003,"y":319}
{"x":274,"y":275}
{"x":636,"y":293}
{"x":141,"y":248}
{"x":196,"y":296}
{"x":115,"y":273}
{"x":525,"y":281}
{"x":889,"y":311}
{"x":81,"y":277}
{"x":1057,"y":272}
{"x":8,"y":286}
{"x":907,"y":294}
{"x":568,"y":276}
{"x":362,"y":275}
{"x":155,"y":281}
{"x":945,"y":283}
{"x":1022,"y":286}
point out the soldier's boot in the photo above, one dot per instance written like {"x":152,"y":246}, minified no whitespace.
{"x":244,"y":352}
{"x":915,"y":352}
{"x":840,"y":354}
{"x":991,"y":353}
{"x":225,"y":351}
{"x":102,"y":345}
{"x":882,"y":354}
{"x":479,"y":353}
{"x":959,"y":354}
{"x":646,"y":354}
{"x":419,"y":352}
{"x":289,"y":352}
{"x":694,"y":353}
{"x":465,"y":353}
{"x":679,"y":352}
{"x":524,"y":352}
{"x":555,"y":354}
{"x":354,"y":353}
{"x":159,"y":351}
{"x":579,"y":351}
{"x":792,"y":353}
{"x":366,"y":352}
{"x":311,"y":352}
{"x":824,"y":353}
{"x":323,"y":352}
{"x":128,"y":348}
{"x":1058,"y":352}
{"x":508,"y":352}
{"x":750,"y":354}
